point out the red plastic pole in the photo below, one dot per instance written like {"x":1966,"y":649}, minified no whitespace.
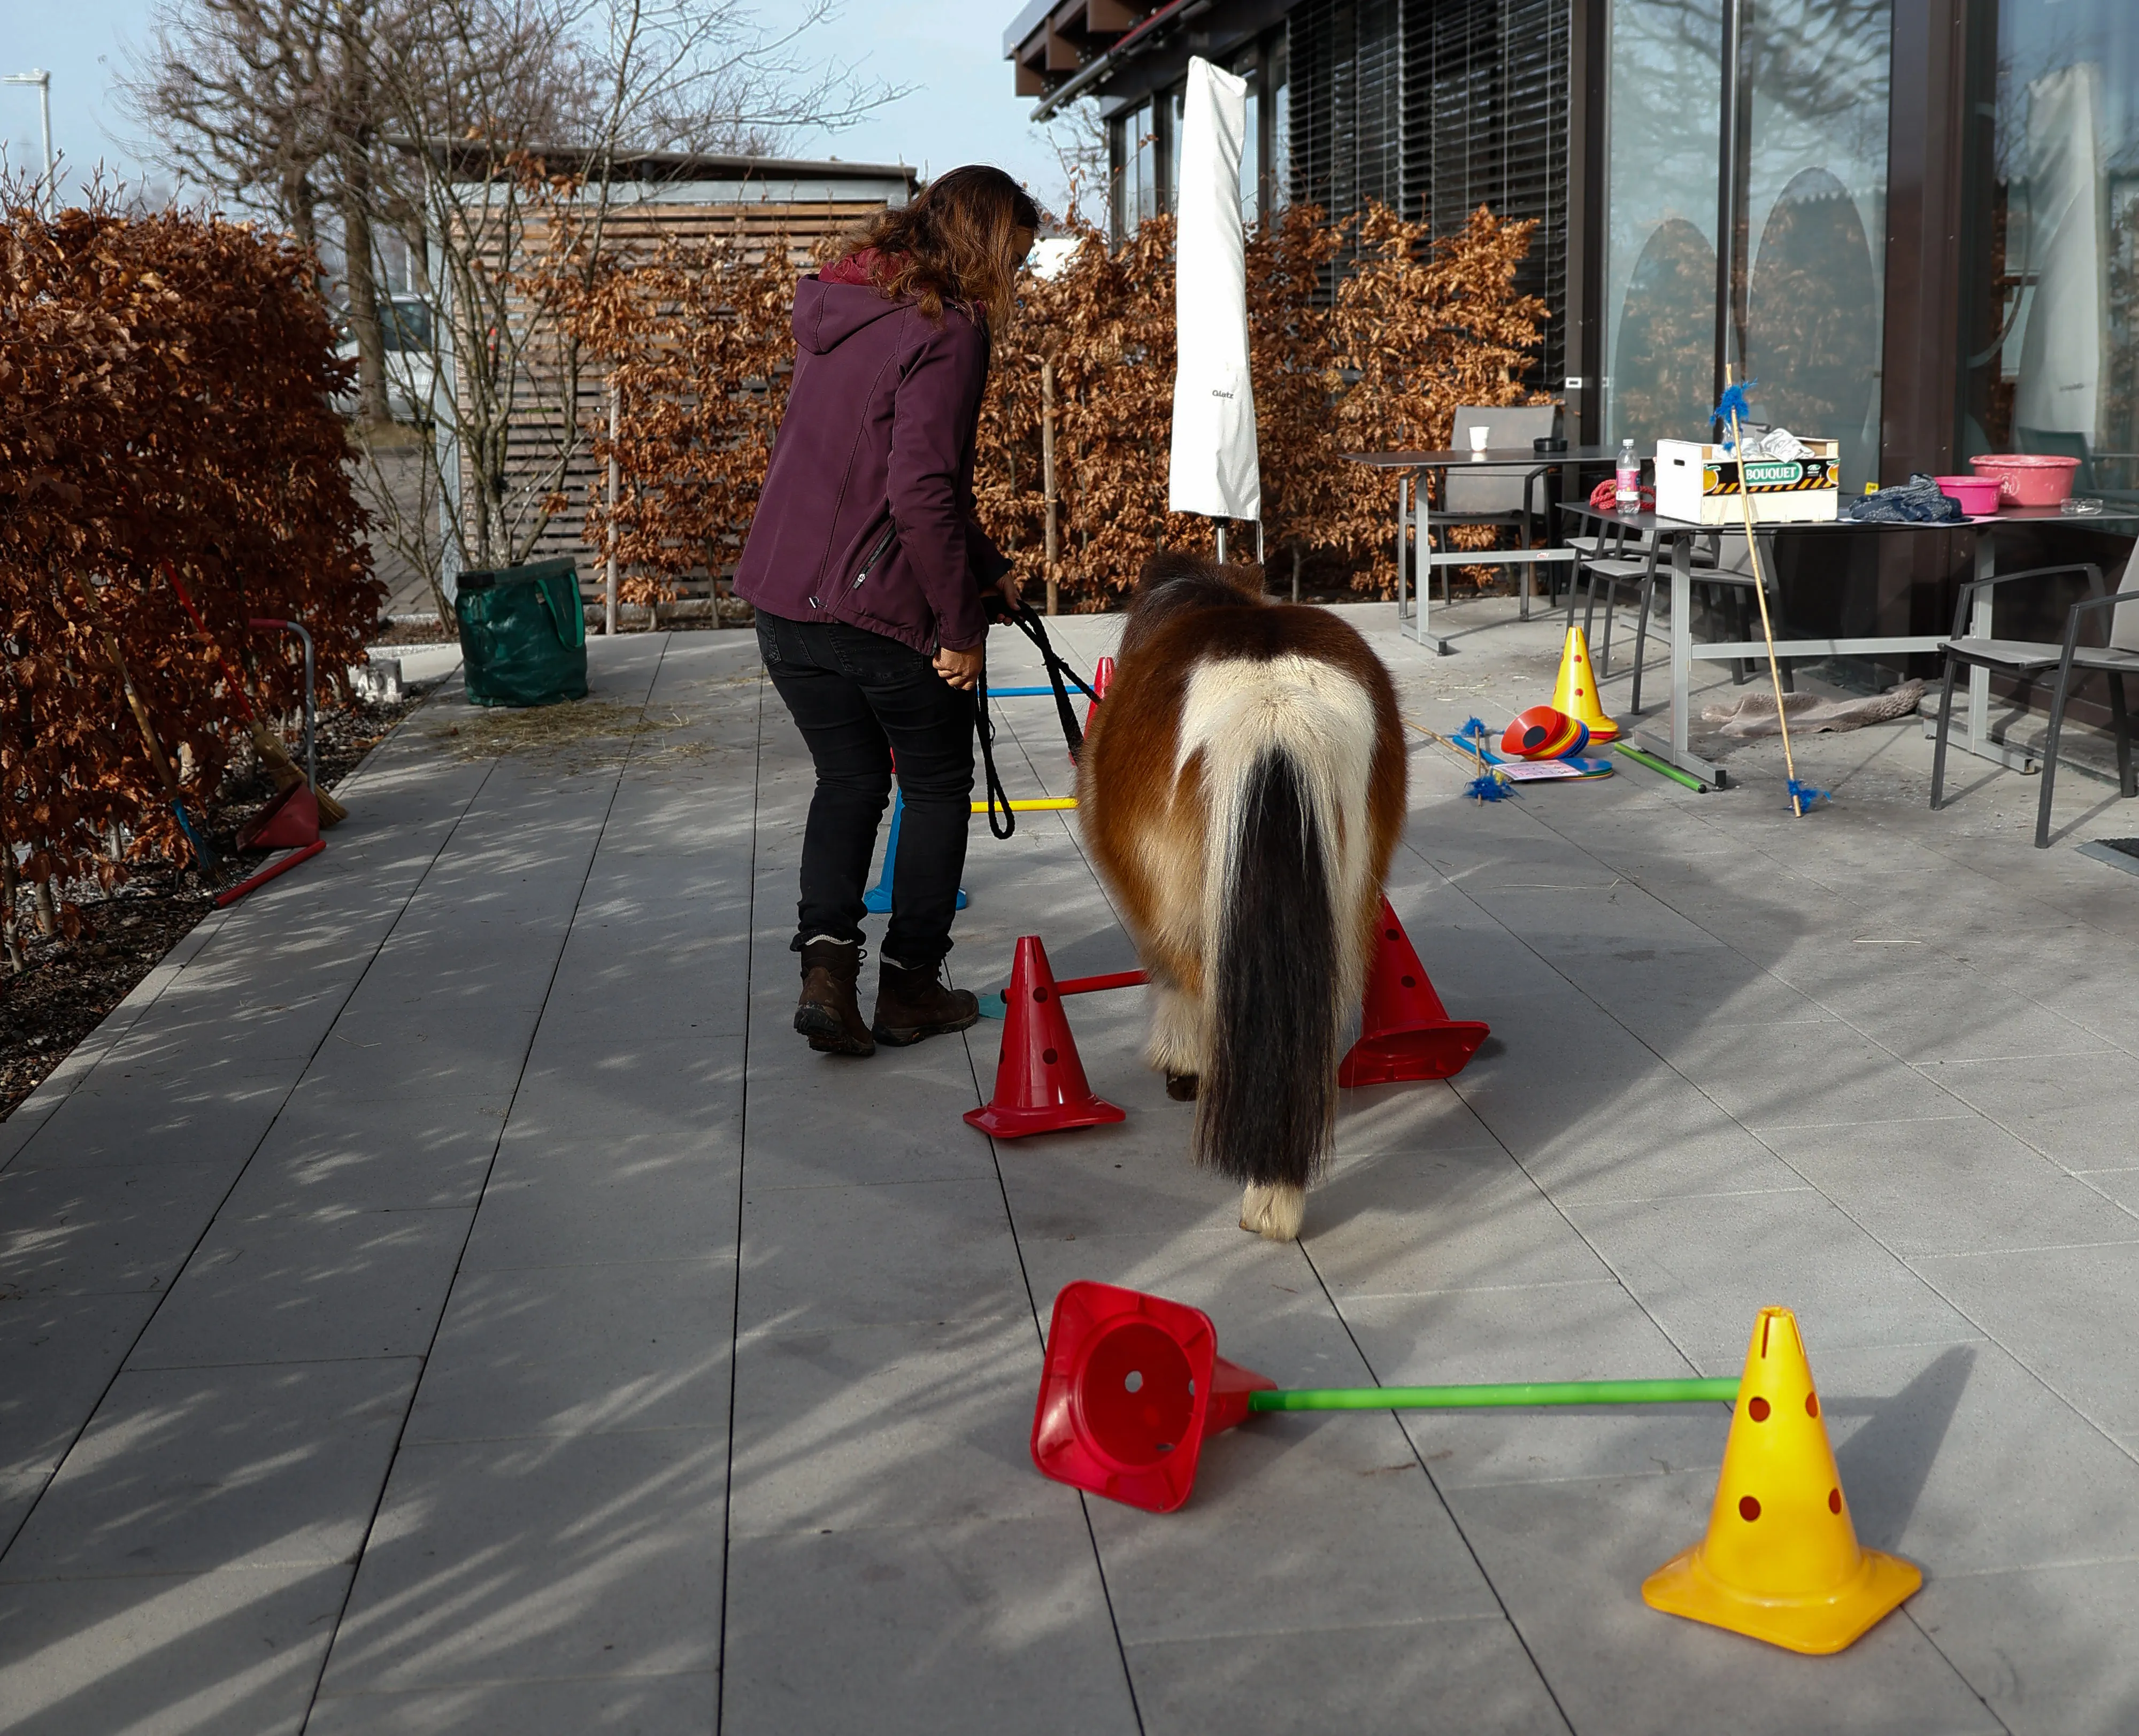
{"x":269,"y":873}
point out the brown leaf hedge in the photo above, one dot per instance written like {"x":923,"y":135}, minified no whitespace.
{"x":166,"y":387}
{"x":697,"y":341}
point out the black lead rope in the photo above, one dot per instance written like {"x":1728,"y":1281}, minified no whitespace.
{"x":1060,"y":677}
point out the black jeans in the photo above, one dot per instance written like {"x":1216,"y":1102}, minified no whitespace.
{"x":859,"y":698}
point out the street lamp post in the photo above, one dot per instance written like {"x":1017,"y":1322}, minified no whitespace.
{"x":43,"y":80}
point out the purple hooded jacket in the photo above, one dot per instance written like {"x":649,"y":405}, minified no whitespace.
{"x":866,"y":514}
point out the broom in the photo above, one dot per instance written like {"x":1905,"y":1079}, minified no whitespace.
{"x":285,"y":772}
{"x":1802,"y":795}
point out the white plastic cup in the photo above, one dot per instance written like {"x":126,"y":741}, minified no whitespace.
{"x":1480,"y":438}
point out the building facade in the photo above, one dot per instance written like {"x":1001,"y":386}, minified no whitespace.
{"x":1914,"y":223}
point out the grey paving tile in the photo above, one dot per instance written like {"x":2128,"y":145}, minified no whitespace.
{"x":2049,"y":1649}
{"x":189,"y":1470}
{"x":2059,"y":1311}
{"x":893,"y":1118}
{"x":1961,"y":1459}
{"x":166,"y":1114}
{"x":1440,"y":1221}
{"x":57,"y":1354}
{"x":235,"y":1651}
{"x":1810,"y":1075}
{"x":100,"y":1231}
{"x":2075,"y":1108}
{"x":1960,"y":1186}
{"x":1704,"y":1268}
{"x":1568,"y":1560}
{"x":1418,"y":1678}
{"x":568,"y":1350}
{"x":827,"y":1257}
{"x":887,"y":1425}
{"x":308,"y":1288}
{"x":1550,"y":1332}
{"x":646,"y":1705}
{"x":336,"y":1150}
{"x":983,"y":1626}
{"x":554,"y":1201}
{"x":587,"y":1555}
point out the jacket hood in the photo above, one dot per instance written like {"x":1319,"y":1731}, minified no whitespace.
{"x":826,"y":315}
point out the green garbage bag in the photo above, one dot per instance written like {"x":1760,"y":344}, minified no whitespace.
{"x":523,"y":635}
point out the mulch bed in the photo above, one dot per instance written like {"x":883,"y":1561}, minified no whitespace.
{"x":70,"y":985}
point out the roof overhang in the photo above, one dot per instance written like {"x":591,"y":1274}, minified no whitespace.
{"x":1061,"y":48}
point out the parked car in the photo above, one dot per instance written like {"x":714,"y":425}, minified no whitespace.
{"x":405,"y":322}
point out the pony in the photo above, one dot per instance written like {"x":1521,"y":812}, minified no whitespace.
{"x":1241,"y":792}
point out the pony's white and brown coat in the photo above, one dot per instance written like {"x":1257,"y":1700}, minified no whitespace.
{"x":1242,"y":790}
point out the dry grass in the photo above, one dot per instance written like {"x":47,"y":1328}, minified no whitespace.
{"x":585,"y":734}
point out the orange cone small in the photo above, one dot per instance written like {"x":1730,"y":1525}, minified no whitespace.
{"x":1406,"y":1031}
{"x":1040,"y":1082}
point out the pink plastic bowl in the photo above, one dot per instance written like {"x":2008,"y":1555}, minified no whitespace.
{"x":1977,"y":494}
{"x":2028,"y":479}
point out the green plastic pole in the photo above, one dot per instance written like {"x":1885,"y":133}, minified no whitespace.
{"x":1673,"y":772}
{"x":1479,"y":1398}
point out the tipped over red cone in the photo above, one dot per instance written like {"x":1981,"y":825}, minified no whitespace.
{"x":1040,"y":1082}
{"x":288,"y":823}
{"x":1132,"y":1386}
{"x":1406,"y":1031}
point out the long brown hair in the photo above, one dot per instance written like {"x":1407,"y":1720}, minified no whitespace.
{"x":954,"y":243}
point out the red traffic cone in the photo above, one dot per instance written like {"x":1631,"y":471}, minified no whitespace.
{"x":1406,"y":1032}
{"x":1132,"y":1387}
{"x":289,"y":821}
{"x":1039,"y":1083}
{"x":1102,"y":678}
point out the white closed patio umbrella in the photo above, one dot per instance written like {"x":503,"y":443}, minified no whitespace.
{"x":1214,"y":469}
{"x":2061,"y":370}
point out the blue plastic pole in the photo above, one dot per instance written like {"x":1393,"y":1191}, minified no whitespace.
{"x":878,"y":897}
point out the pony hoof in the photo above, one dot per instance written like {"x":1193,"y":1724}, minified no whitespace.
{"x":1181,"y":1086}
{"x":1273,"y":1213}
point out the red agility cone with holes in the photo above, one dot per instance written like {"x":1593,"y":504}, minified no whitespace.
{"x":1132,"y":1387}
{"x":1406,"y":1031}
{"x":1040,"y":1082}
{"x":1781,"y":1562}
{"x":1102,"y":678}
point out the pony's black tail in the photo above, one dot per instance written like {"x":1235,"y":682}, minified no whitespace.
{"x":1267,"y":1103}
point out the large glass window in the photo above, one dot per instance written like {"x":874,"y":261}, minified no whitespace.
{"x":1806,"y":156}
{"x":1809,"y":257}
{"x":1133,"y":151}
{"x":2051,"y":323}
{"x":1665,"y":120}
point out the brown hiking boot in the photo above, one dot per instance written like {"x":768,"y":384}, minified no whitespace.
{"x":911,"y":1005}
{"x":829,"y":1013}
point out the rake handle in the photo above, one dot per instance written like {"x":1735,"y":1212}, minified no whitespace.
{"x":1519,"y":1394}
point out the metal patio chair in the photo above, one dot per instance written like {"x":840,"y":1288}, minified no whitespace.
{"x":1498,"y":497}
{"x":2114,"y":659}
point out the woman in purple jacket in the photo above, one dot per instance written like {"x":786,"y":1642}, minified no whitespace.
{"x":866,"y":567}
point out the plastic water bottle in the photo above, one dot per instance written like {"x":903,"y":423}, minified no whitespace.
{"x":1626,"y":495}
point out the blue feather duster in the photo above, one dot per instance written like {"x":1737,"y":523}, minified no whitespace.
{"x":1734,"y":399}
{"x":1805,"y":795}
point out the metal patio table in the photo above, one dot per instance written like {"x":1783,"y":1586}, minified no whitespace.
{"x":1685,"y":652}
{"x":1411,"y":504}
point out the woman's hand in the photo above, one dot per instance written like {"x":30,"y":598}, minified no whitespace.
{"x":961,"y":669}
{"x":1013,"y":593}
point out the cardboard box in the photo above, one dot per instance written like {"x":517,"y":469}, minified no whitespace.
{"x":1699,"y":483}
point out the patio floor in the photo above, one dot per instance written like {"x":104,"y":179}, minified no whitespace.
{"x":447,"y":1296}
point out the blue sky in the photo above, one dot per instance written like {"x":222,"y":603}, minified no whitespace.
{"x":961,"y":109}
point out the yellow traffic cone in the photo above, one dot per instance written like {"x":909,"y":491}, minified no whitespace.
{"x":1576,"y":691}
{"x":1781,"y":1562}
